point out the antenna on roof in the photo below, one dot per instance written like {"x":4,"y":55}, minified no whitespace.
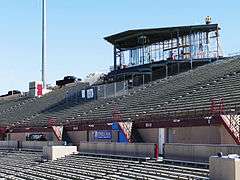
{"x":44,"y":39}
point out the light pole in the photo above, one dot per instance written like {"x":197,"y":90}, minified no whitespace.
{"x":44,"y":41}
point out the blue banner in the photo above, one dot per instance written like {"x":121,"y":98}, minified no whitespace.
{"x":103,"y":134}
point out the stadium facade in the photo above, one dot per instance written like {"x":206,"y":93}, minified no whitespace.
{"x":167,"y":85}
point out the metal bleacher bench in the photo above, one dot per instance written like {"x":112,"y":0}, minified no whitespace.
{"x":185,"y":162}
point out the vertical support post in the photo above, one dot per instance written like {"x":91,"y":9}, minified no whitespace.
{"x":115,"y":58}
{"x":163,"y":51}
{"x":171,"y":46}
{"x":166,"y":67}
{"x":120,"y":59}
{"x":115,"y":89}
{"x":178,"y":66}
{"x":178,"y":45}
{"x":143,"y":58}
{"x":151,"y":75}
{"x":44,"y":41}
{"x":190,"y":50}
{"x":143,"y":79}
{"x":207,"y":43}
{"x":105,"y":90}
{"x":132,"y":80}
{"x":217,"y":35}
{"x":183,"y":47}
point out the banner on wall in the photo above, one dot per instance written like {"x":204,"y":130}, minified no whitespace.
{"x":103,"y":134}
{"x":83,"y":94}
{"x":90,"y":94}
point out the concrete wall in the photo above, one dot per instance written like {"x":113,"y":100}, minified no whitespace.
{"x":35,"y":145}
{"x":17,"y":136}
{"x":226,"y":138}
{"x":22,"y":136}
{"x":195,"y":135}
{"x":8,"y":144}
{"x":200,"y":135}
{"x":197,"y":152}
{"x":77,"y":136}
{"x":224,"y":168}
{"x":150,"y":135}
{"x":55,"y":152}
{"x":84,"y":136}
{"x":121,"y":149}
{"x":38,"y":145}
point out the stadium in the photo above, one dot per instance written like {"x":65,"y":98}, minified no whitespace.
{"x":169,"y":103}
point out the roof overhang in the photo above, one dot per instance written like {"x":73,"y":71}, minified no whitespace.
{"x":130,"y":39}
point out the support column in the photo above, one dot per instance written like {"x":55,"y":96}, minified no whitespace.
{"x":217,"y":34}
{"x":143,"y":79}
{"x":190,"y":50}
{"x":163,"y":52}
{"x":178,"y":45}
{"x":166,"y":67}
{"x":115,"y":58}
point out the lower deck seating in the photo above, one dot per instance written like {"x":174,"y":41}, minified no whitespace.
{"x":24,"y":165}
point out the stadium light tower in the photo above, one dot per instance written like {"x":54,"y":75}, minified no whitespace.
{"x":44,"y":41}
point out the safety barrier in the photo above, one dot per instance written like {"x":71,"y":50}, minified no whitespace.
{"x":197,"y":152}
{"x":145,"y":150}
{"x":8,"y":144}
{"x":30,"y":145}
{"x":38,"y":144}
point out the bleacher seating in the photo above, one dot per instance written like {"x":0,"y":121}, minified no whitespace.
{"x":183,"y":94}
{"x":25,"y":165}
{"x":25,"y":108}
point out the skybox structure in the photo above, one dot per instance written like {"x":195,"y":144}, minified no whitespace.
{"x":151,"y":48}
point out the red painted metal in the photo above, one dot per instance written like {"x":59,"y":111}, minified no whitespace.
{"x":2,"y":130}
{"x":148,"y":121}
{"x":30,"y":129}
{"x":221,"y":108}
{"x":230,"y":132}
{"x":156,"y":151}
{"x":213,"y":106}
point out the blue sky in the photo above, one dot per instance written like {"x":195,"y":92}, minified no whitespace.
{"x":76,"y":29}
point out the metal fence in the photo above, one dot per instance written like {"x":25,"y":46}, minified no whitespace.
{"x":112,"y":89}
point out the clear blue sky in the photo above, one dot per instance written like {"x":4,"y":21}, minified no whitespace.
{"x":76,"y":29}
